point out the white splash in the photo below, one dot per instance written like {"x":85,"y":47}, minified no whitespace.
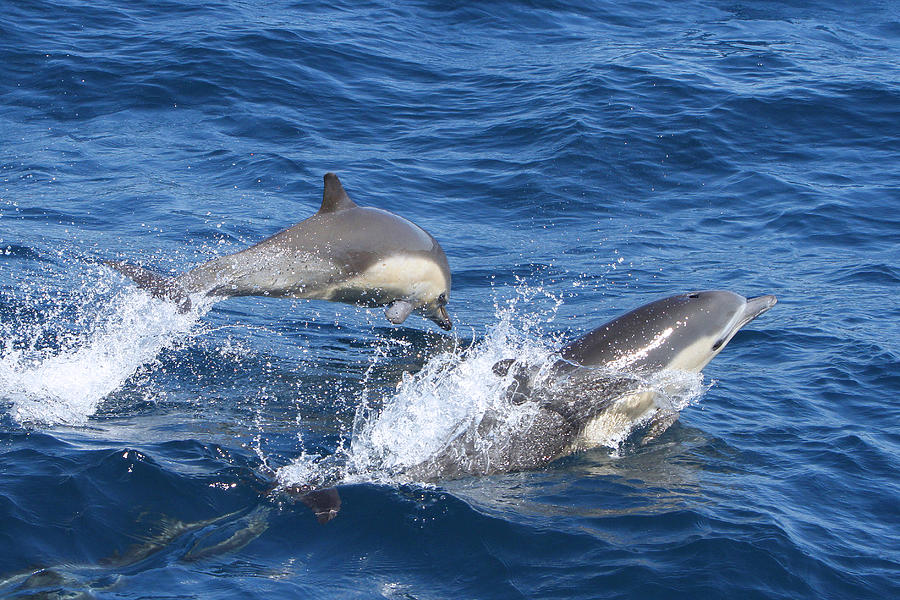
{"x":431,"y":408}
{"x":394,"y":430}
{"x":64,"y":381}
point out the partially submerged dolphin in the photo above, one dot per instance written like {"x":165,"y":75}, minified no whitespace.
{"x":598,"y":383}
{"x":343,"y":253}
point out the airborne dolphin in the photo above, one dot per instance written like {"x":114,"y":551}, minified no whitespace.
{"x":596,"y":382}
{"x":343,"y":253}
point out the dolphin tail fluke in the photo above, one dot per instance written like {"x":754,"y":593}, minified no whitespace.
{"x":324,"y":503}
{"x":156,"y":284}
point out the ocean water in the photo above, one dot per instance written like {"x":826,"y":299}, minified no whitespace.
{"x":575,"y":160}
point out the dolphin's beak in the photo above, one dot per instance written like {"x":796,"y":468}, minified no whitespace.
{"x":441,"y":317}
{"x":757,"y":306}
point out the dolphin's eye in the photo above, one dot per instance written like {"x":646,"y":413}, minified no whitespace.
{"x":442,"y":299}
{"x":718,"y":344}
{"x":693,"y":295}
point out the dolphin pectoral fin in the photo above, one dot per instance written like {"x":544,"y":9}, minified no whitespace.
{"x":325,"y":503}
{"x":157,"y":285}
{"x":658,"y":425}
{"x":397,"y":311}
{"x":580,"y":398}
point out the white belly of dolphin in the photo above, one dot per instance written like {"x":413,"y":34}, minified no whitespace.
{"x":413,"y":276}
{"x":611,"y":426}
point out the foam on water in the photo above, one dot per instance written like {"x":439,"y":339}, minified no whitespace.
{"x":64,"y":381}
{"x":428,"y":409}
{"x":431,"y":408}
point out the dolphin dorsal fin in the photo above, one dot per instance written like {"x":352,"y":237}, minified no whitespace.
{"x":335,"y":198}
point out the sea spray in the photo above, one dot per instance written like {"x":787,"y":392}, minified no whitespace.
{"x":56,"y":372}
{"x":431,"y":408}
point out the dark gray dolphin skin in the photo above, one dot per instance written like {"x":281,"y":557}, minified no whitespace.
{"x":597,"y":383}
{"x":343,"y":253}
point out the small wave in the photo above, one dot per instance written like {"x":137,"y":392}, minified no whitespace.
{"x":867,"y":273}
{"x":17,"y":251}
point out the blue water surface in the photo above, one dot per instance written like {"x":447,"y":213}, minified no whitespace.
{"x":575,"y":160}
